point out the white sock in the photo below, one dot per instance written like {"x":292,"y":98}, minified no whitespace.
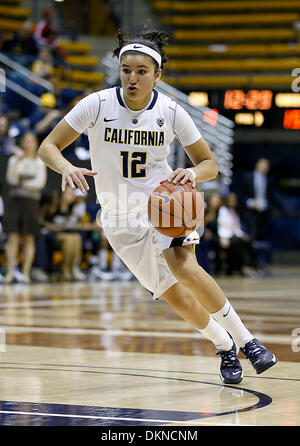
{"x":215,"y":333}
{"x":231,"y":322}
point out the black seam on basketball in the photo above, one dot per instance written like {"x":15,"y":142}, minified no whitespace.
{"x":171,"y":191}
{"x":164,"y":211}
{"x":181,"y":232}
{"x":167,"y":213}
{"x":196,"y":218}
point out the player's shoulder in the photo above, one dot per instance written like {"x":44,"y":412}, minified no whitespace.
{"x":107,"y":93}
{"x":167,"y":100}
{"x":99,"y":95}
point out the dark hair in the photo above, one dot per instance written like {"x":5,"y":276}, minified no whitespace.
{"x":153,"y":39}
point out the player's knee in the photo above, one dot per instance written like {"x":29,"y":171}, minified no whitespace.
{"x":186,"y":305}
{"x":184,"y":273}
{"x":181,"y":300}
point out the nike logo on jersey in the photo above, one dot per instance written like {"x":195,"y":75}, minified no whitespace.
{"x":108,"y":120}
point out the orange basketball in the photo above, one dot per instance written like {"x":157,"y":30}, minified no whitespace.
{"x":175,"y":210}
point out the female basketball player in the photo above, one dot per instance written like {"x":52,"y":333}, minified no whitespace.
{"x":130,"y":129}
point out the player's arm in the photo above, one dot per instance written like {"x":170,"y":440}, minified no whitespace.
{"x":50,"y":153}
{"x":205,"y":166}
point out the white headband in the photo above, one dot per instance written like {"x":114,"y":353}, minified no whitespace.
{"x":142,"y":49}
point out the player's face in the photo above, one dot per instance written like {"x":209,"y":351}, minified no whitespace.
{"x":138,"y":76}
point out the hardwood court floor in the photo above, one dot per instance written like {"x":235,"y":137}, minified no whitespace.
{"x":105,"y":354}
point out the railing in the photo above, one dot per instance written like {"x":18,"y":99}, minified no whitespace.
{"x":219,"y":135}
{"x":15,"y":66}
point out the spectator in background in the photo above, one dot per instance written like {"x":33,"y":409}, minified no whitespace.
{"x":63,"y":220}
{"x":211,"y":229}
{"x":46,"y":116}
{"x":256,"y":194}
{"x":26,"y":175}
{"x":42,"y":27}
{"x":7,"y":143}
{"x":22,"y":42}
{"x":218,"y":185}
{"x":43,"y":66}
{"x":54,"y":45}
{"x":233,"y":239}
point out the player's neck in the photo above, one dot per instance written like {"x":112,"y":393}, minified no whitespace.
{"x":136,"y":105}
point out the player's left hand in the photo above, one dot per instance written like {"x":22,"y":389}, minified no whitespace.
{"x":181,"y":176}
{"x":74,"y":176}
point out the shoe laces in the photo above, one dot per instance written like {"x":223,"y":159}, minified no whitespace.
{"x":228,"y":358}
{"x":255,"y":348}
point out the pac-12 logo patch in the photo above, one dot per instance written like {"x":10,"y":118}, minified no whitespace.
{"x":160,"y":121}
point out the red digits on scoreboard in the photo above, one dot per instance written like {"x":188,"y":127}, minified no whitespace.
{"x":291,"y":119}
{"x":252,"y":100}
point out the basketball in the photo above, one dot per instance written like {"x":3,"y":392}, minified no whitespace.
{"x":175,"y":210}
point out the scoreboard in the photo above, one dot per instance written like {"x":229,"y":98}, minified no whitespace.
{"x":259,"y":108}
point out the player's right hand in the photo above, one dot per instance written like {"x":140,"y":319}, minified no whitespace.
{"x":75,"y":176}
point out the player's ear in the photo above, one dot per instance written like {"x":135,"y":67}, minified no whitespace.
{"x":157,"y":75}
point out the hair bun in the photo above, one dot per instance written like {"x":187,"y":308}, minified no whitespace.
{"x":155,"y":39}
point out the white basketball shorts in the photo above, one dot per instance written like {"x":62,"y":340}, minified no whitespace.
{"x":140,"y":247}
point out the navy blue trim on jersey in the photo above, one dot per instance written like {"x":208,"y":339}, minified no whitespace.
{"x":121,"y":102}
{"x":178,"y":241}
{"x":119,"y":97}
{"x":153,"y":102}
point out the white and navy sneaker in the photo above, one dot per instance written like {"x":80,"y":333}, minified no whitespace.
{"x":231,"y":371}
{"x":261,"y":358}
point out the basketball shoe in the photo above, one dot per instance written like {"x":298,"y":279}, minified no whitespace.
{"x":261,"y":358}
{"x":231,"y":371}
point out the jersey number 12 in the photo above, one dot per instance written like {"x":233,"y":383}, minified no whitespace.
{"x":131,"y":164}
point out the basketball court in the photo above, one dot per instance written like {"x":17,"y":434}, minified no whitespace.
{"x":105,"y":354}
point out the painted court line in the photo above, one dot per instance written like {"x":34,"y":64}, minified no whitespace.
{"x":141,"y":420}
{"x":285,"y":340}
{"x":99,"y":300}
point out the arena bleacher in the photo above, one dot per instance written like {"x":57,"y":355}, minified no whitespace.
{"x":219,"y":44}
{"x":80,"y":68}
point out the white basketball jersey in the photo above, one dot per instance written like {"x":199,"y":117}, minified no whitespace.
{"x":129,"y":149}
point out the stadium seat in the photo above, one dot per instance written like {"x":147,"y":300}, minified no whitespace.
{"x":228,"y":20}
{"x":75,"y":47}
{"x":14,"y":12}
{"x":257,"y":49}
{"x":10,"y":25}
{"x":225,"y":44}
{"x":228,"y":35}
{"x":229,"y":6}
{"x":82,"y":61}
{"x":223,"y":81}
{"x":235,"y":65}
